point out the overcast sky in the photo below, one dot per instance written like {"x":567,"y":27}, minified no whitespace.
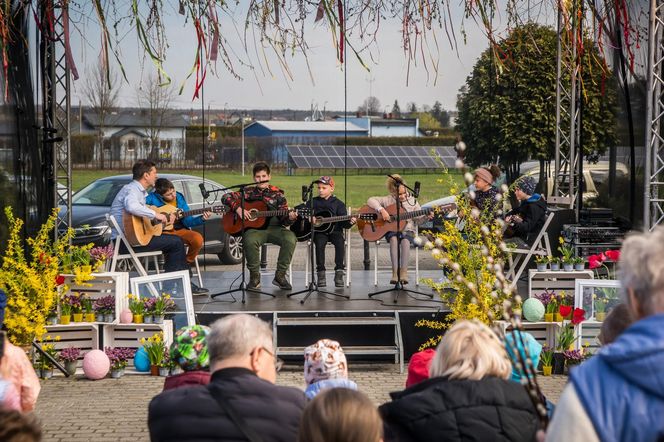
{"x":387,"y":61}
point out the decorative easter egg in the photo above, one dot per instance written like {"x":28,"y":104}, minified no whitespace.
{"x":96,"y":364}
{"x":141,"y":360}
{"x":126,"y":317}
{"x":533,"y":309}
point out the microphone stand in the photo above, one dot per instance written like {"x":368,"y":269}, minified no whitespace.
{"x":313,"y":284}
{"x":243,"y":285}
{"x":398,"y":286}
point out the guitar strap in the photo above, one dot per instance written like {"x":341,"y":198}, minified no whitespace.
{"x":237,"y":419}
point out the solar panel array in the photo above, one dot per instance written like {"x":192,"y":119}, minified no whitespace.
{"x":371,"y":157}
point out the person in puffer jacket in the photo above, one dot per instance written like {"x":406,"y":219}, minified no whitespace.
{"x":618,"y":395}
{"x":468,"y":396}
{"x":325,"y":367}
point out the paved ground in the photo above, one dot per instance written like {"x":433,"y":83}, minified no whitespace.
{"x":116,"y":410}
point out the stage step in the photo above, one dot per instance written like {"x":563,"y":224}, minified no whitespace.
{"x":314,"y":320}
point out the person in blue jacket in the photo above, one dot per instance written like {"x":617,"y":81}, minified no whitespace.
{"x":164,"y":194}
{"x":618,"y":394}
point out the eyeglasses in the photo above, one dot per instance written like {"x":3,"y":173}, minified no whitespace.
{"x":278,"y":363}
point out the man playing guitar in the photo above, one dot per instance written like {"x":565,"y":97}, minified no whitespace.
{"x":131,"y":199}
{"x":164,"y":194}
{"x":276,"y":230}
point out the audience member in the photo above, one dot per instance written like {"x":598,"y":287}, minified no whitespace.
{"x":522,"y":340}
{"x":618,"y":394}
{"x":418,"y":366}
{"x":340,"y":415}
{"x":616,"y":322}
{"x":189,"y":352}
{"x":325,"y":367}
{"x":468,"y":396}
{"x":18,"y":427}
{"x":241,"y":401}
{"x":17,"y":369}
{"x":10,"y":399}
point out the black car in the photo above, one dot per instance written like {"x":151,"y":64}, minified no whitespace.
{"x":91,"y":204}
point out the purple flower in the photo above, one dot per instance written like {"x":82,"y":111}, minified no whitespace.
{"x":119,"y":356}
{"x":70,"y":354}
{"x":102,"y":253}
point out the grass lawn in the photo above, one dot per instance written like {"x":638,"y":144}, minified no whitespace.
{"x":360,"y":187}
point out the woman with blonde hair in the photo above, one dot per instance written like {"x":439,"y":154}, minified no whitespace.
{"x":468,"y":396}
{"x":340,"y":414}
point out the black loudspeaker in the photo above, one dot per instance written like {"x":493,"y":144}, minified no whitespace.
{"x":561,"y":217}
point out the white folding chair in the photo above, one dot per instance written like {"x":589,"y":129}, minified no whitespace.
{"x":417,"y":259}
{"x":197,"y":274}
{"x":540,"y":247}
{"x":135,"y":257}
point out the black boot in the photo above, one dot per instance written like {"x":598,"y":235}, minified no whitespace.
{"x":196,"y":290}
{"x":338,"y":278}
{"x":281,"y":281}
{"x":254,"y":281}
{"x":322,"y":282}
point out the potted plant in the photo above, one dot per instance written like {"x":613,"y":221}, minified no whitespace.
{"x":547,"y":360}
{"x":165,"y":364}
{"x":579,"y":263}
{"x":545,"y":298}
{"x":600,"y":305}
{"x":154,"y":347}
{"x":119,"y":357}
{"x":70,"y":357}
{"x":76,"y":307}
{"x":573,"y":358}
{"x":551,"y":309}
{"x":86,"y":303}
{"x":44,"y":364}
{"x":102,"y":256}
{"x":52,"y":317}
{"x":567,"y":255}
{"x":100,"y":309}
{"x":107,"y":304}
{"x":149,"y":309}
{"x":542,"y":263}
{"x":65,"y":311}
{"x":554,"y":262}
{"x":564,"y":307}
{"x":137,"y":308}
{"x":162,"y":305}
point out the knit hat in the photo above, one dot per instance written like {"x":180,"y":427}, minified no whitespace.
{"x":484,"y":174}
{"x":418,"y":367}
{"x":3,"y":305}
{"x":526,"y":184}
{"x":189,"y":349}
{"x":522,"y":340}
{"x":324,"y":360}
{"x":326,"y":180}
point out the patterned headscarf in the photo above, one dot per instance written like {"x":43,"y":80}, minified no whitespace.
{"x":324,"y":360}
{"x":189,"y":349}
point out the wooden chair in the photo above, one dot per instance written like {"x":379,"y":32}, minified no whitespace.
{"x":540,"y":247}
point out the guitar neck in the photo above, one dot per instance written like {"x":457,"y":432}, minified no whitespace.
{"x":414,"y":214}
{"x":195,"y":212}
{"x":269,"y":213}
{"x":336,"y":219}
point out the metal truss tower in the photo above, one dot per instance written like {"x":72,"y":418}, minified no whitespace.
{"x":56,"y":105}
{"x":653,"y":207}
{"x":568,"y":127}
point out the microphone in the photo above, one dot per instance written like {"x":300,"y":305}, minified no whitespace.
{"x":416,"y":189}
{"x":305,"y":193}
{"x":204,"y":192}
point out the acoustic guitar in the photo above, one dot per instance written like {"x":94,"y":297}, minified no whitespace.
{"x":260,"y":217}
{"x":375,"y":230}
{"x":324,"y":223}
{"x":139,"y":230}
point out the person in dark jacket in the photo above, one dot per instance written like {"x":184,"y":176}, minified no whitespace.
{"x":468,"y":396}
{"x":526,"y":220}
{"x":189,"y":352}
{"x":326,"y":204}
{"x":244,"y":368}
{"x":618,"y":394}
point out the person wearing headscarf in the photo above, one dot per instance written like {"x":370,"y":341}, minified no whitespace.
{"x":325,"y":366}
{"x":526,"y":220}
{"x":189,"y":351}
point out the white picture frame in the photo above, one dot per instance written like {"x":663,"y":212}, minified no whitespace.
{"x":588,"y":330}
{"x":178,"y":286}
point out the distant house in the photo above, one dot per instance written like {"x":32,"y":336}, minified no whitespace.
{"x":385,"y":127}
{"x":127,"y":136}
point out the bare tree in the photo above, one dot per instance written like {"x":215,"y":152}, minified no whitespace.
{"x":370,"y":106}
{"x":101,"y":93}
{"x":155,"y":99}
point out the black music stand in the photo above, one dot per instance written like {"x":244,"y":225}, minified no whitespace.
{"x":398,"y":286}
{"x":313,"y":284}
{"x":243,"y":284}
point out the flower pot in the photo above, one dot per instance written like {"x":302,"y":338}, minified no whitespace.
{"x":159,"y":319}
{"x":154,"y":370}
{"x":546,"y":370}
{"x":548,"y":317}
{"x":70,"y":366}
{"x":100,"y":317}
{"x":558,"y":363}
{"x":568,"y":267}
{"x":600,"y":316}
{"x":89,"y":317}
{"x":138,"y":319}
{"x":117,"y":373}
{"x":164,"y":371}
{"x":65,"y":319}
{"x":77,"y":317}
{"x":541,"y":267}
{"x":148,"y":319}
{"x":109,"y":317}
{"x":52,"y":320}
{"x":579,"y":267}
{"x":557,"y":317}
{"x":46,"y":373}
{"x":555,"y":266}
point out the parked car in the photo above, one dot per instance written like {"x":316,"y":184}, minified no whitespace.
{"x":91,"y":204}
